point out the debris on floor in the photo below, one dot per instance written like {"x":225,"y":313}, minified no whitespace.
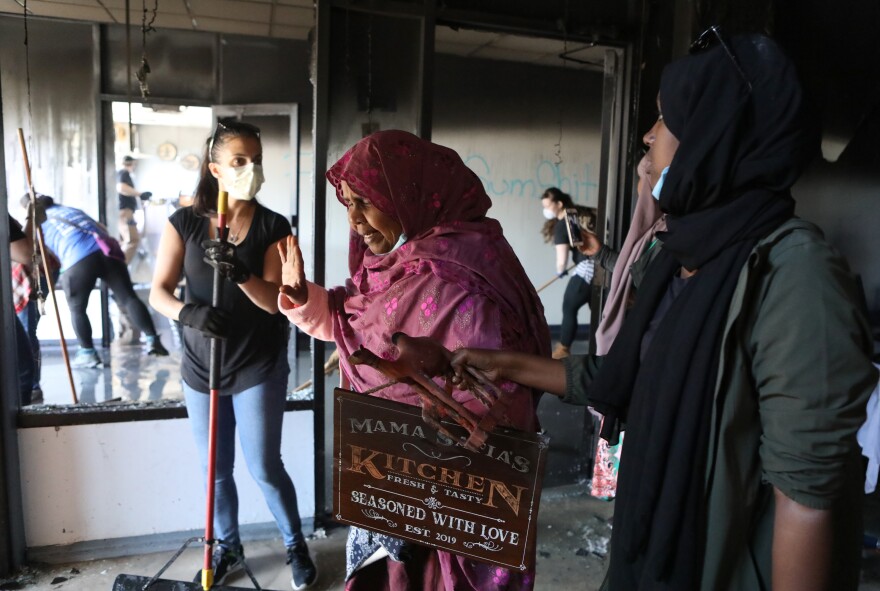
{"x":25,"y":576}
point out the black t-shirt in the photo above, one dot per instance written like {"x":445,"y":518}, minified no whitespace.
{"x":560,"y":236}
{"x":257,"y":338}
{"x":15,"y":231}
{"x":125,"y":201}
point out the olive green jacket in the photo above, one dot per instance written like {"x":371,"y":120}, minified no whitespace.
{"x":793,"y":382}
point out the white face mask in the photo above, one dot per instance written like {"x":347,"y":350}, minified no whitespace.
{"x":400,"y":242}
{"x":657,"y":188}
{"x":548,"y":213}
{"x":243,"y":182}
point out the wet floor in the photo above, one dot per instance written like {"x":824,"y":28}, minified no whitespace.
{"x":127,"y":373}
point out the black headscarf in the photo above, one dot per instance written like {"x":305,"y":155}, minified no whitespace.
{"x":743,"y":143}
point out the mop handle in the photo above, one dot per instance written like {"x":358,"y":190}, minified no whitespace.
{"x":40,"y":243}
{"x":214,"y":385}
{"x":552,"y":281}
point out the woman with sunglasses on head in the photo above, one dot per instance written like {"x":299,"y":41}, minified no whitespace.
{"x":253,"y":367}
{"x":555,"y":204}
{"x":742,"y":371}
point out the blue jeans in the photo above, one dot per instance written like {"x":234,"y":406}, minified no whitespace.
{"x":258,"y":412}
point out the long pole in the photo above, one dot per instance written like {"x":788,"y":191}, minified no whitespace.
{"x":214,"y":385}
{"x":552,"y":281}
{"x":38,"y":236}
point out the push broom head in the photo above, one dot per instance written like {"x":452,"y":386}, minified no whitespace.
{"x":138,"y":583}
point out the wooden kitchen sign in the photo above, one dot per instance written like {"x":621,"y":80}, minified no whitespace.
{"x":396,"y":475}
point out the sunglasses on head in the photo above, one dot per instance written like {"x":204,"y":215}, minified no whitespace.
{"x":712,"y":37}
{"x":231,"y":125}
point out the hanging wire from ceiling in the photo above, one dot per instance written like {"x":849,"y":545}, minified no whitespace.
{"x":559,"y":96}
{"x":128,"y":71}
{"x":107,"y":10}
{"x":347,"y":58}
{"x":146,"y":28}
{"x":27,"y":69}
{"x":36,"y":284}
{"x":370,"y":72}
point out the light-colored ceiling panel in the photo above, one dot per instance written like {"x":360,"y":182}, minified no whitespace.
{"x":300,"y":3}
{"x":84,"y":3}
{"x":452,"y":48}
{"x":173,"y":21}
{"x":292,"y":19}
{"x":291,"y":15}
{"x":594,"y":54}
{"x":92,"y":13}
{"x":165,"y":7}
{"x":464,"y":36}
{"x":230,"y":26}
{"x":164,"y":20}
{"x":498,"y":53}
{"x":553,"y":61}
{"x":231,"y":10}
{"x":137,"y":15}
{"x":119,"y":3}
{"x":529,"y":44}
{"x":288,"y":32}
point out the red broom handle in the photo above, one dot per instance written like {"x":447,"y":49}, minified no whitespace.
{"x":214,"y":385}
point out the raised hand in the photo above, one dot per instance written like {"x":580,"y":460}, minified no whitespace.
{"x":293,"y":273}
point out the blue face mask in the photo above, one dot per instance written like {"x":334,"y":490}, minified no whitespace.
{"x":659,"y":186}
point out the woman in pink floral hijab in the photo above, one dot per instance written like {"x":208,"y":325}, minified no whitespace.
{"x":424,"y":260}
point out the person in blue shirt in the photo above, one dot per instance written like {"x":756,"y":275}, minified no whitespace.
{"x":77,"y":240}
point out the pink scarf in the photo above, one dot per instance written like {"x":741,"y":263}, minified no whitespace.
{"x":647,"y":221}
{"x":456,"y":279}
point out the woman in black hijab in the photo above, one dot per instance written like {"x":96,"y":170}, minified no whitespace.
{"x":742,"y":371}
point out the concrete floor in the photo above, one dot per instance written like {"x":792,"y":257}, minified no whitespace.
{"x":572,"y":545}
{"x":573,"y":533}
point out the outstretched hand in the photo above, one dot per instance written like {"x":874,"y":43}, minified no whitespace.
{"x":481,"y":359}
{"x":293,"y":273}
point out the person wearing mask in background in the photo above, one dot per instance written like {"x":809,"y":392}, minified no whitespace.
{"x":128,"y":204}
{"x":628,"y":268}
{"x":254,"y":366}
{"x":577,"y":292}
{"x":743,"y":368}
{"x":129,"y":235}
{"x":88,"y":253}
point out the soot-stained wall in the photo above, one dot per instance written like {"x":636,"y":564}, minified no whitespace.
{"x":60,"y":134}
